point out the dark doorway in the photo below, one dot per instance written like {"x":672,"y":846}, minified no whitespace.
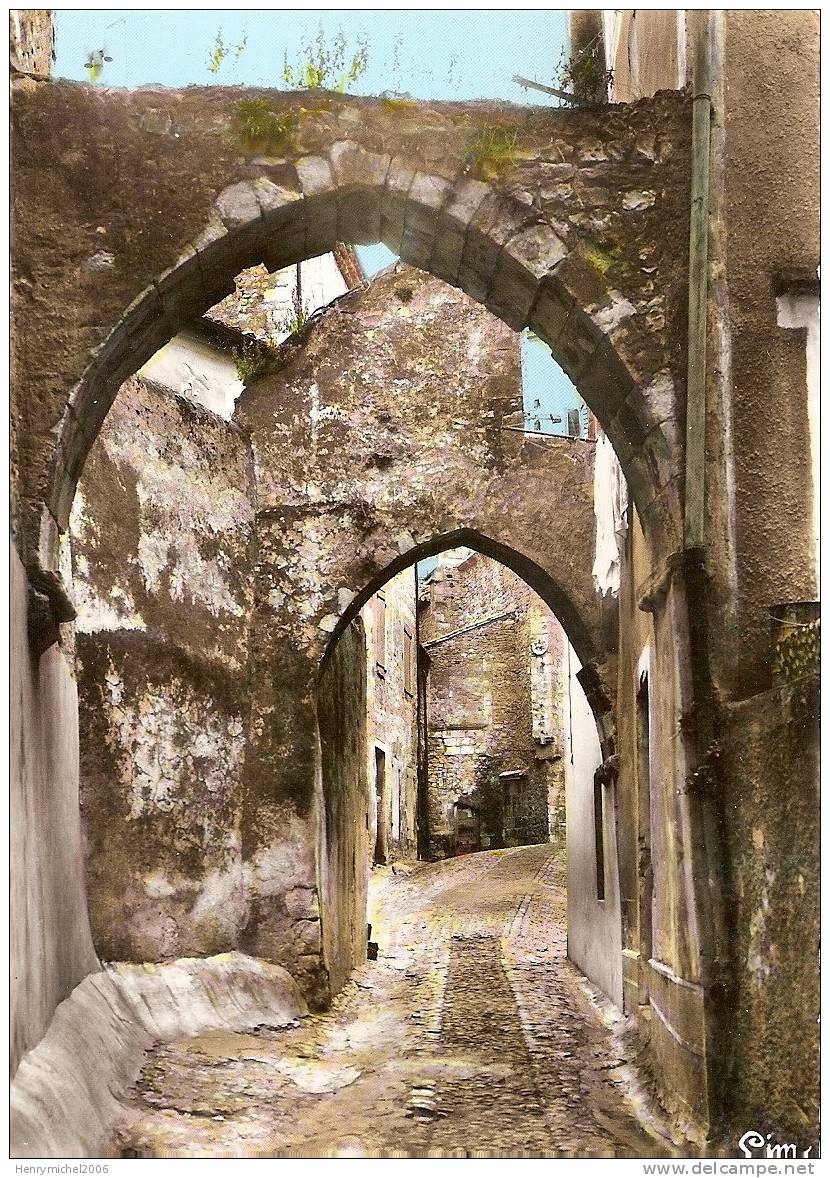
{"x":599,"y":837}
{"x":382,"y":832}
{"x":467,"y":829}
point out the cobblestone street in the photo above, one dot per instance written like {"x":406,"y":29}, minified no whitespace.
{"x":471,"y":1035}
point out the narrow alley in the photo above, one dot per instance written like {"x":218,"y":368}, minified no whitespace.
{"x":415,"y":661}
{"x":469,"y":1036}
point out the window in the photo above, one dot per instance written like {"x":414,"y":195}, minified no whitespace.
{"x":599,"y":837}
{"x":379,"y":633}
{"x":408,"y":663}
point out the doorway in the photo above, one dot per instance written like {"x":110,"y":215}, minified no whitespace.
{"x":381,"y":832}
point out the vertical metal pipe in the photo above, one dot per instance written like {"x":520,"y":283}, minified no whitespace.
{"x":695,"y":512}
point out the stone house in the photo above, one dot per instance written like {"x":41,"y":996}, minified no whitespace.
{"x":392,"y":719}
{"x":496,"y":713}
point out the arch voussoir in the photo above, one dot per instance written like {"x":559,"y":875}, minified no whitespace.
{"x":394,"y":200}
{"x":496,"y":220}
{"x":520,"y":243}
{"x":523,"y":262}
{"x":463,"y":201}
{"x":360,"y":177}
{"x":319,"y":191}
{"x":427,"y":195}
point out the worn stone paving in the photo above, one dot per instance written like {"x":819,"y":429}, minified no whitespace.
{"x":470,"y":1036}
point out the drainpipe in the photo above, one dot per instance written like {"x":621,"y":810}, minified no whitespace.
{"x":709,"y":839}
{"x":693,"y":530}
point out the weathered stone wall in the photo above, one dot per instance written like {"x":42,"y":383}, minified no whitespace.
{"x":51,"y":947}
{"x":377,"y":438}
{"x":544,"y":239}
{"x":344,"y":857}
{"x":648,"y":792}
{"x":392,"y":719}
{"x":162,"y":560}
{"x":31,"y":41}
{"x":482,"y":722}
{"x":760,"y":551}
{"x":594,"y":927}
{"x":771,"y":773}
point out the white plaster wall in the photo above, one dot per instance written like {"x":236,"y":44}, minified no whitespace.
{"x":391,"y":713}
{"x":594,"y":929}
{"x":51,"y":943}
{"x":202,"y":372}
{"x":198,"y":370}
{"x":799,"y":311}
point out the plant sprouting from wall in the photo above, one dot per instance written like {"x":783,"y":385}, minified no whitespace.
{"x":219,"y":51}
{"x":585,"y":76}
{"x":582,"y":76}
{"x":94,"y":64}
{"x":296,"y":316}
{"x":262,"y":128}
{"x":491,"y":151}
{"x":327,"y":66}
{"x":252,"y":360}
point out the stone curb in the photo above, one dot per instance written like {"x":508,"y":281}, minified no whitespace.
{"x":71,"y":1090}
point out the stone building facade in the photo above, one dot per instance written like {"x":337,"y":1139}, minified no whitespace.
{"x":391,"y":628}
{"x":31,"y":41}
{"x":757,"y":553}
{"x":495,"y":708}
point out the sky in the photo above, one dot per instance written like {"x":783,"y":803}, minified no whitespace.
{"x":462,"y":54}
{"x":440,"y":54}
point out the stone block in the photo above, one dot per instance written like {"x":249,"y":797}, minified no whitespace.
{"x":321,"y":224}
{"x":394,"y":204}
{"x":523,"y":262}
{"x":183,"y":294}
{"x":429,"y":193}
{"x":447,"y":251}
{"x":605,"y":383}
{"x":417,"y":244}
{"x":577,"y":344}
{"x":238,"y":204}
{"x":549,"y":313}
{"x":359,"y":217}
{"x":315,"y":176}
{"x":277,"y":203}
{"x":354,"y":167}
{"x":463,"y":202}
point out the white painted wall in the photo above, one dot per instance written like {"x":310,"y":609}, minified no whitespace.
{"x":610,"y":505}
{"x":198,"y":370}
{"x":803,"y":311}
{"x":204,"y":373}
{"x":594,"y":929}
{"x":51,"y":942}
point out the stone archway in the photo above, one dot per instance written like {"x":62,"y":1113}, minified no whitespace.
{"x":345,"y":826}
{"x":580,"y":234}
{"x":379,"y":438}
{"x":563,"y":238}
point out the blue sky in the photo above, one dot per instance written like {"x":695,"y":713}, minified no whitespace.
{"x":449,"y":54}
{"x":442,"y":55}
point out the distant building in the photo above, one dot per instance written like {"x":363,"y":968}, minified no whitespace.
{"x":390,"y":626}
{"x":496,"y":714}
